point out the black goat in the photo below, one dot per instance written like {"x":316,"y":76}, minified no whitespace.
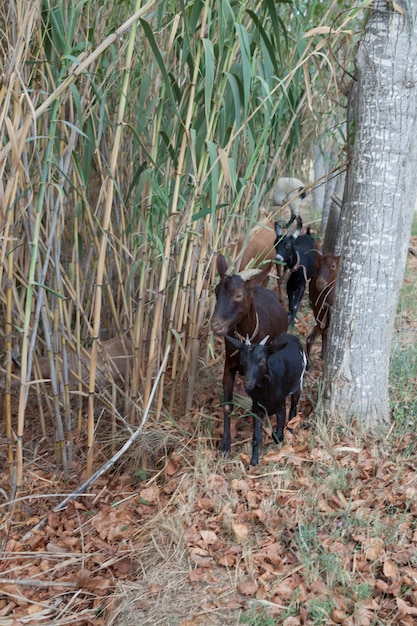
{"x":245,"y":308}
{"x":298,"y":253}
{"x":272,"y":372}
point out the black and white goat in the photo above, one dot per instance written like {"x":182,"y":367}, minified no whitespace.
{"x":298,"y":252}
{"x":271,"y":374}
{"x":291,"y":192}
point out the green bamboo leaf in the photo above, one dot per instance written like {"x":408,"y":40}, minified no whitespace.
{"x":155,"y":49}
{"x":266,"y":40}
{"x":278,"y":27}
{"x":236,"y":96}
{"x":194,"y":19}
{"x":214,"y":171}
{"x":209,"y":77}
{"x":58,"y":28}
{"x":102,"y":119}
{"x":246,"y":65}
{"x":77,"y":102}
{"x":179,"y":342}
{"x":74,"y":13}
{"x":75,"y":128}
{"x":49,"y":289}
{"x":208,"y":210}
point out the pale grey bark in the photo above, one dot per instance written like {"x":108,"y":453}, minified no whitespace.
{"x":324,"y":161}
{"x":332,"y":226}
{"x":376,"y":217}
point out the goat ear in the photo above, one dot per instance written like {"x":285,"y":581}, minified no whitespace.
{"x":235,"y":342}
{"x":299,"y":227}
{"x":221,"y":265}
{"x":273,"y":347}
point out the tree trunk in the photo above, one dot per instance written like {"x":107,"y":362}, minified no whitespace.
{"x":376,"y":219}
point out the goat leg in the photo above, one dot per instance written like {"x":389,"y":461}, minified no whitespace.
{"x":310,"y":340}
{"x":324,"y":342}
{"x":278,"y":435}
{"x":295,"y":294}
{"x":257,"y":437}
{"x":294,"y":401}
{"x":295,"y":397}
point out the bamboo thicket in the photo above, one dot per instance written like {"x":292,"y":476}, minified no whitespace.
{"x":136,"y":141}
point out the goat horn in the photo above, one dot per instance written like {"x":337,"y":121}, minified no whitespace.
{"x":264,"y":340}
{"x":246,"y":274}
{"x":247,"y":340}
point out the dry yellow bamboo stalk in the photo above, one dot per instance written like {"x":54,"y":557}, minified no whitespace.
{"x":82,"y":64}
{"x":105,"y":229}
{"x":158,"y":312}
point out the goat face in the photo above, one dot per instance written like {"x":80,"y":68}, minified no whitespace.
{"x":254,"y":360}
{"x":326,"y":270}
{"x":284,"y":246}
{"x":234,"y":296}
{"x":285,"y":250}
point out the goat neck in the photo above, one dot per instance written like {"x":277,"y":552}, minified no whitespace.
{"x":248,"y":327}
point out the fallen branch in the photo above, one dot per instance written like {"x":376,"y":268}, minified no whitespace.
{"x":32,"y":582}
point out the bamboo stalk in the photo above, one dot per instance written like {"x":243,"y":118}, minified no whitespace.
{"x":106,"y":225}
{"x":173,"y":217}
{"x":81,"y":65}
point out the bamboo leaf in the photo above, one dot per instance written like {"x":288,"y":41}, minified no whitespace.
{"x":319,"y":30}
{"x":266,"y":40}
{"x":155,"y":48}
{"x":214,"y":171}
{"x":209,"y":77}
{"x":246,"y":65}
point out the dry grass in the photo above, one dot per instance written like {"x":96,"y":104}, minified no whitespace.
{"x":164,"y":594}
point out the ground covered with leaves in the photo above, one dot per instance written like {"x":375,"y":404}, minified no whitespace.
{"x":322,"y":531}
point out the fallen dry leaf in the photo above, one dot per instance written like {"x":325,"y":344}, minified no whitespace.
{"x":374,"y":548}
{"x":208,"y":536}
{"x":240,"y":531}
{"x":200,"y":557}
{"x":404,"y":608}
{"x":150,"y":494}
{"x":227,"y":560}
{"x":390,"y":569}
{"x":247,"y":588}
{"x":338,"y":616}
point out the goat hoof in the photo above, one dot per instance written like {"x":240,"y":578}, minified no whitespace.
{"x":277,"y":438}
{"x":224,"y":450}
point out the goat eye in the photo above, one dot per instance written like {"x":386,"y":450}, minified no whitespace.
{"x":238,"y":297}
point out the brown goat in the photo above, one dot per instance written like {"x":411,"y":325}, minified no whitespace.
{"x":321,"y":294}
{"x":243,"y":307}
{"x":114,"y":356}
{"x":259,"y":245}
